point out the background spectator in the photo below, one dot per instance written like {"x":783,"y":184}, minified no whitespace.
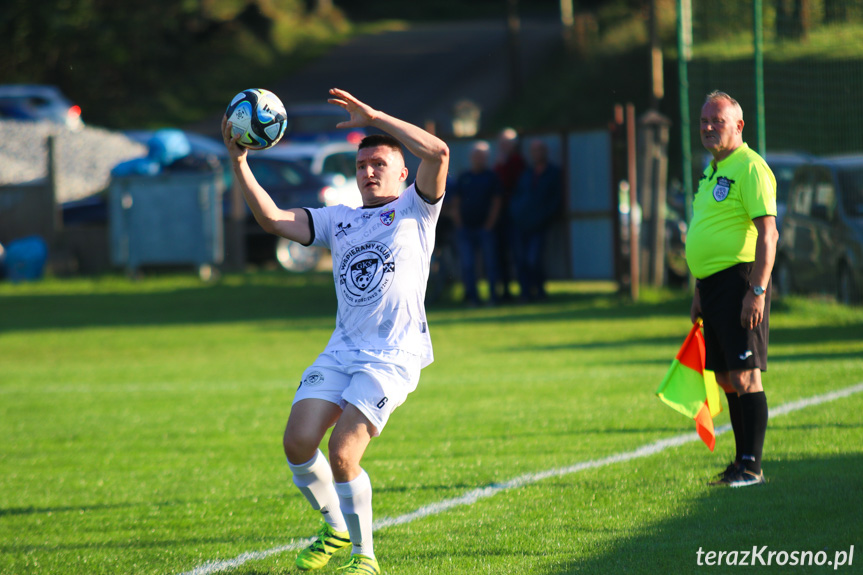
{"x":537,"y":199}
{"x":477,"y":206}
{"x":509,"y":166}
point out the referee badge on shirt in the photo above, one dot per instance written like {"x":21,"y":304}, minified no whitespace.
{"x":723,"y":186}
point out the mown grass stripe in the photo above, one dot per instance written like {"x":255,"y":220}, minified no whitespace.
{"x":478,"y":494}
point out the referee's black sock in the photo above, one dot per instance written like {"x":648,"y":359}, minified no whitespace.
{"x":736,"y":414}
{"x":754,"y":408}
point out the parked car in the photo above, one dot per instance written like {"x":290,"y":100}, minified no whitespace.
{"x":821,"y":244}
{"x":317,"y":123}
{"x":289,"y":182}
{"x":783,"y":165}
{"x":38,"y":103}
{"x":334,"y":161}
{"x":676,"y":269}
{"x":291,"y":185}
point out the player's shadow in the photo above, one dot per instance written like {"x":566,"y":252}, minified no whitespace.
{"x":307,"y":297}
{"x":95,"y":507}
{"x":31,"y":510}
{"x":565,"y":307}
{"x":778,"y":337}
{"x":821,"y":334}
{"x":807,"y":505}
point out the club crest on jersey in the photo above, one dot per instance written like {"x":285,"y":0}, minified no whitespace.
{"x":363,"y":272}
{"x":723,"y":187}
{"x":366,"y":272}
{"x":388,"y":217}
{"x":313,"y":378}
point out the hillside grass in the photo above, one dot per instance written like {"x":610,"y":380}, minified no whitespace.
{"x":809,"y":86}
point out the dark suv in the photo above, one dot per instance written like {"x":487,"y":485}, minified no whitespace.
{"x":821,"y":241}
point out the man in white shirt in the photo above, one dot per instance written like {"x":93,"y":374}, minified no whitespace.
{"x":381,"y":255}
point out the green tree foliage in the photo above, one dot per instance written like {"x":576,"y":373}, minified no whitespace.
{"x":122,"y":59}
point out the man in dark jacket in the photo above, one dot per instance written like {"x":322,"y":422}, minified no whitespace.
{"x":537,"y":199}
{"x":477,"y":199}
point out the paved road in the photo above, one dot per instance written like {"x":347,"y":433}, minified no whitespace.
{"x":419,"y":74}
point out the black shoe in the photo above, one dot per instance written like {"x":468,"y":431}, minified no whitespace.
{"x":722,"y":478}
{"x":745,"y":478}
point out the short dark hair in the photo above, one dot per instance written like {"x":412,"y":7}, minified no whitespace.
{"x":375,"y":140}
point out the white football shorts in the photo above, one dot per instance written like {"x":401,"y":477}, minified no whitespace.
{"x":375,"y":382}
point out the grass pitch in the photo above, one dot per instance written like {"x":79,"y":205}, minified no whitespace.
{"x":142,"y":422}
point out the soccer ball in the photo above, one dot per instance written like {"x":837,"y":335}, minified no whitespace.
{"x":259,"y":117}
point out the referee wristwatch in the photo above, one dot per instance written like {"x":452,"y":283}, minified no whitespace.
{"x":758,"y":290}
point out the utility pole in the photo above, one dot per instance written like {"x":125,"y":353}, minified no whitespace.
{"x":657,"y":91}
{"x":323,"y":6}
{"x":758,"y":39}
{"x":513,"y":32}
{"x":567,"y":21}
{"x":684,"y":54}
{"x":632,"y":176}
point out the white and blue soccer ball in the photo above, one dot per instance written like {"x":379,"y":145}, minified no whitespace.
{"x":259,"y":117}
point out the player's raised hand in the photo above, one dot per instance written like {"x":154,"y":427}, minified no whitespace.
{"x":235,"y":150}
{"x":362,"y":114}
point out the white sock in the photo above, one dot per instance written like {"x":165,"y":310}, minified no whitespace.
{"x":356,"y":501}
{"x":315,"y":480}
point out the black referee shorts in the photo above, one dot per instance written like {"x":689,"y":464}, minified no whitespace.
{"x":730,"y":346}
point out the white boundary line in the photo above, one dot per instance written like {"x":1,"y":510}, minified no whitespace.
{"x":475,"y":495}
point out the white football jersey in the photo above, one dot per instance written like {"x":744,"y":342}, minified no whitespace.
{"x":381,"y":261}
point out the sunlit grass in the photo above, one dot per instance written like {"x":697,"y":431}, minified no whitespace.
{"x":142,"y":423}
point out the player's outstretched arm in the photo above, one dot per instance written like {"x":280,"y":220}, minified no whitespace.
{"x":431,"y":150}
{"x":292,"y":224}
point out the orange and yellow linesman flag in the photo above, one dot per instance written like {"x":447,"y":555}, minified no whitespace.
{"x":691,"y":389}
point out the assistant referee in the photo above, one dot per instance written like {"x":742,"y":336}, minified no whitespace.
{"x":730,"y":249}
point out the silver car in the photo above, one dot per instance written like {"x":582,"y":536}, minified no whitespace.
{"x":336,"y":162}
{"x":39,"y":103}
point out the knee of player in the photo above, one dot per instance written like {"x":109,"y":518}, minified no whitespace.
{"x":298,"y":449}
{"x":342,"y":460}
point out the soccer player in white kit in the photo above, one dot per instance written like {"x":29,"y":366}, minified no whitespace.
{"x":381,"y":255}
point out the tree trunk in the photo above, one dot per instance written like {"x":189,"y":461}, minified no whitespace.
{"x":835,"y":11}
{"x":793,"y":19}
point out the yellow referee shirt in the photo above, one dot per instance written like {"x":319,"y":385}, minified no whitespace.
{"x":730,"y":195}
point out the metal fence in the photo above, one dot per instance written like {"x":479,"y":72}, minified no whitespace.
{"x":796,"y":67}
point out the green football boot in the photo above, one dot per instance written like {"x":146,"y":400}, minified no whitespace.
{"x":319,"y":552}
{"x":361,"y":565}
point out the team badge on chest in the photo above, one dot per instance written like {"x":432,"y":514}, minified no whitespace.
{"x":366,"y":272}
{"x":723,"y":187}
{"x":388,"y":217}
